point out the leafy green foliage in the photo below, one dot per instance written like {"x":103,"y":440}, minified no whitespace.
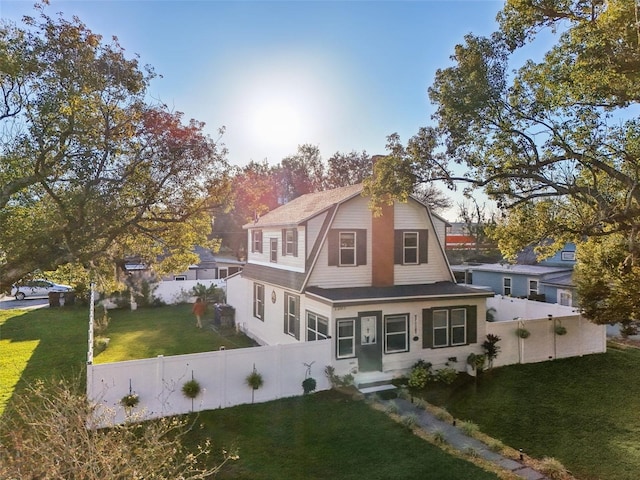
{"x":95,"y":173}
{"x":420,"y":375}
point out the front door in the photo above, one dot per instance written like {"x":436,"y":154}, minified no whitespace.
{"x":369,"y":341}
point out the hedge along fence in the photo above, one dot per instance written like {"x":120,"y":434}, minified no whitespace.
{"x":222,"y":376}
{"x":543,"y":343}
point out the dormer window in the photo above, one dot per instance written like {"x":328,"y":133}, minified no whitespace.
{"x":347,"y":248}
{"x":256,"y":241}
{"x":290,"y":241}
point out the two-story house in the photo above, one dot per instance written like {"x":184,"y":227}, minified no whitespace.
{"x":379,"y":288}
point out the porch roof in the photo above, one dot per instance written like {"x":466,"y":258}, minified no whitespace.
{"x":396,"y":293}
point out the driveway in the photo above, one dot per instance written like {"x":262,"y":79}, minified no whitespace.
{"x":10,"y":303}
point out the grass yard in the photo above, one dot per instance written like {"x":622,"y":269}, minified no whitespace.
{"x":323,"y":436}
{"x":52,"y":342}
{"x":582,"y":411}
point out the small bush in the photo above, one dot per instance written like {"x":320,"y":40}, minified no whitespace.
{"x":469,"y":428}
{"x":100,"y":344}
{"x":495,"y":445}
{"x":391,"y":407}
{"x":444,"y":416}
{"x":308,"y":385}
{"x":447,"y":375}
{"x":469,"y":451}
{"x":439,"y":437}
{"x":409,"y":420}
{"x":553,"y":469}
{"x":420,"y":375}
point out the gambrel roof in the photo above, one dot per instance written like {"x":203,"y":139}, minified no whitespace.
{"x":305,"y":207}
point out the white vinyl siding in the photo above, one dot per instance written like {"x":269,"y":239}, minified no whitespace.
{"x":412,"y":216}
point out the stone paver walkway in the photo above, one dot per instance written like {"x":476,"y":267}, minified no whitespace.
{"x":458,"y":440}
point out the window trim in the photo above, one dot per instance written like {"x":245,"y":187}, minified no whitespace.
{"x":452,"y":327}
{"x":256,"y":241}
{"x":273,"y":250}
{"x":568,"y":256}
{"x":290,"y":242}
{"x":352,"y":249}
{"x":532,"y":291}
{"x":258,"y":301}
{"x":292,"y":318}
{"x":404,"y":317}
{"x":317,"y":319}
{"x":505,"y":287}
{"x":445,"y":328}
{"x":415,"y":248}
{"x":352,"y":321}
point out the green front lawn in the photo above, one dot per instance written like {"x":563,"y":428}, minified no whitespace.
{"x":582,"y":411}
{"x":325,"y":436}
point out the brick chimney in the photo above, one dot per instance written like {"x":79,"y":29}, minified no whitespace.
{"x":382,"y":241}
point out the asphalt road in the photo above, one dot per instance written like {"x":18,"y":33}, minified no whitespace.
{"x":9,"y":303}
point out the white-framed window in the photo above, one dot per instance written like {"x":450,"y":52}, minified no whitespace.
{"x":506,"y":286}
{"x":291,"y":312}
{"x":533,"y":287}
{"x":396,"y":333}
{"x":223,"y":272}
{"x":273,"y":249}
{"x":290,"y":242}
{"x":410,"y":248}
{"x":258,"y":301}
{"x":317,"y":327}
{"x":565,"y":298}
{"x":441,"y":328}
{"x":346,"y":338}
{"x":568,"y":256}
{"x":256,"y":241}
{"x":180,"y":278}
{"x":347,"y":248}
{"x":458,"y":326}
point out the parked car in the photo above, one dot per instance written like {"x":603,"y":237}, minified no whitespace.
{"x":37,"y":289}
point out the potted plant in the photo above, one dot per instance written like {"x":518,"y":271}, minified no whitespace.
{"x":255,"y":381}
{"x":191,"y":389}
{"x":523,"y":332}
{"x":130,"y":400}
{"x":560,"y":330}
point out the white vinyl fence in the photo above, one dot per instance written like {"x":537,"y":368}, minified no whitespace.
{"x":222,"y":375}
{"x":174,"y":291}
{"x":540,"y":320}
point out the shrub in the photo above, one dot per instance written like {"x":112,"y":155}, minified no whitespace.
{"x":439,"y":437}
{"x":553,"y":469}
{"x":308,"y":385}
{"x":447,"y":375}
{"x":409,"y":420}
{"x":490,"y":347}
{"x":391,"y":407}
{"x":469,"y":428}
{"x":420,"y":375}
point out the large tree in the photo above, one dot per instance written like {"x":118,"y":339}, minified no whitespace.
{"x":557,"y":141}
{"x":89,"y":170}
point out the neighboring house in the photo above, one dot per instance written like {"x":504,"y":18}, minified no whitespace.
{"x":549,"y":280}
{"x":209,"y":267}
{"x":379,"y":288}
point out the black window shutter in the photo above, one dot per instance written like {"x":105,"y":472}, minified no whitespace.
{"x":427,"y":328}
{"x":333,"y":248}
{"x":361,"y":247}
{"x":259,"y":236}
{"x":423,"y":236}
{"x":286,"y":309}
{"x":472,"y":324}
{"x":284,"y":242}
{"x":398,"y":247}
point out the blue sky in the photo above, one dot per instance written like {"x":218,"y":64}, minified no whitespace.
{"x":336,"y":74}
